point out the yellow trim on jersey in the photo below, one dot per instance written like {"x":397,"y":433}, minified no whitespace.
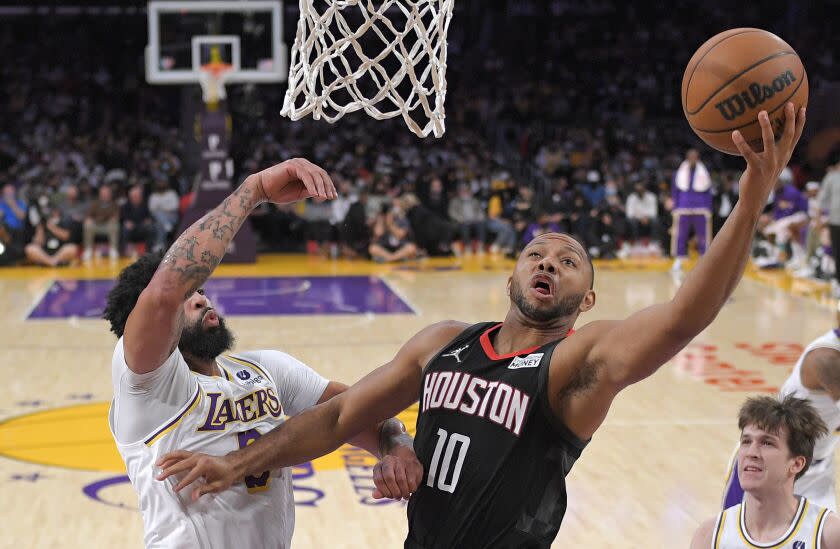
{"x":174,"y":423}
{"x":818,"y":529}
{"x":258,"y":489}
{"x":798,"y":520}
{"x":246,"y":362}
{"x":222,"y":368}
{"x":719,"y":532}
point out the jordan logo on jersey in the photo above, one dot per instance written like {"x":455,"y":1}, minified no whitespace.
{"x":456,"y":353}
{"x":251,"y":407}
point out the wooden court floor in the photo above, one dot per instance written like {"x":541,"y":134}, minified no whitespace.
{"x":649,"y":476}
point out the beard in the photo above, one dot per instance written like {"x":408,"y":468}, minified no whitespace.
{"x":205,"y":344}
{"x":567,"y":305}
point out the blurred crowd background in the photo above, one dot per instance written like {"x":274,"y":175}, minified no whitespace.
{"x":561,"y":116}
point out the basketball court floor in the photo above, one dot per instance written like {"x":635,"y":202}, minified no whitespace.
{"x":650,"y":475}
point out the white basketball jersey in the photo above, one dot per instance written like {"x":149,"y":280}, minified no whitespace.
{"x":222,"y":414}
{"x":804,"y":532}
{"x":825,"y":406}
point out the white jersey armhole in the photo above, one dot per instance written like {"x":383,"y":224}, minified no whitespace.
{"x":717,"y":533}
{"x":818,"y":533}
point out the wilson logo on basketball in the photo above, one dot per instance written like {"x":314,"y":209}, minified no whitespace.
{"x":755,"y":94}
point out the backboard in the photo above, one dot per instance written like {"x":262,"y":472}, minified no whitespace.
{"x":184,"y":35}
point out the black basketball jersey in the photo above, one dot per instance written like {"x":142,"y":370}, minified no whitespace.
{"x":495,"y":457}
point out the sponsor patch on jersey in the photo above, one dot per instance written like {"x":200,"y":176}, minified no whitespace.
{"x":243,"y":374}
{"x":530,"y":361}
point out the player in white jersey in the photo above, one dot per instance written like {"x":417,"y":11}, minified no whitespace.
{"x":173,"y":388}
{"x":777,"y":446}
{"x":816,"y":378}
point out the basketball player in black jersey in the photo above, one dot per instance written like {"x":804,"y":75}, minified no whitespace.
{"x":506,"y":408}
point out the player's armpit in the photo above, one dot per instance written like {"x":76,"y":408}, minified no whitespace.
{"x":632,"y":349}
{"x":589,"y":368}
{"x":152,"y":330}
{"x":577,"y":392}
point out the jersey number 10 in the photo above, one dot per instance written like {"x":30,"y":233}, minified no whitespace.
{"x":439,"y":470}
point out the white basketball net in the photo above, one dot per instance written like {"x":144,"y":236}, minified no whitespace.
{"x":332,"y":74}
{"x":213,"y":85}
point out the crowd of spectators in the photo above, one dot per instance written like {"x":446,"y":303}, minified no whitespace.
{"x":568,"y":123}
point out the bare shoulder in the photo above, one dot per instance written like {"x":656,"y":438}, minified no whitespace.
{"x":440,"y":331}
{"x":702,"y":538}
{"x":574,"y":351}
{"x":821,"y":370}
{"x":822,"y":356}
{"x":578,"y":391}
{"x":596,"y":328}
{"x":447,"y":327}
{"x":831,"y":532}
{"x":431,"y":339}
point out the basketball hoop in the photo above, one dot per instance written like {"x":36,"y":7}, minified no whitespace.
{"x":212,"y":80}
{"x":332,"y":74}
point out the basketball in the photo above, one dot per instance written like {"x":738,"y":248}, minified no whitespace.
{"x":734,"y":76}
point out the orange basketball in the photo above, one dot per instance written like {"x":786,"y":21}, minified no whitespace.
{"x":734,"y":76}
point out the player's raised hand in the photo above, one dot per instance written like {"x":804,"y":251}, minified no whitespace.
{"x":763,"y":168}
{"x":296,"y":179}
{"x":397,"y":475}
{"x":217,"y":472}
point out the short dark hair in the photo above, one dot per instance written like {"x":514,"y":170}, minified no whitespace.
{"x":803,"y":423}
{"x":130,"y":284}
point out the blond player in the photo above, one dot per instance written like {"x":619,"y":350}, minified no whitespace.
{"x":173,"y":388}
{"x":777,"y":446}
{"x":816,"y":378}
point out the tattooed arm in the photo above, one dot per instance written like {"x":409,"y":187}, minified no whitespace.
{"x":154,"y":325}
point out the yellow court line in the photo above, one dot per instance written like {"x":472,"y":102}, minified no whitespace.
{"x":303,"y":265}
{"x":268,"y":265}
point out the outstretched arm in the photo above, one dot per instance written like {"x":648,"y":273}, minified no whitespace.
{"x":154,"y":325}
{"x":398,"y":472}
{"x":624,"y":352}
{"x":378,"y":439}
{"x":637,"y":346}
{"x":321,"y":429}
